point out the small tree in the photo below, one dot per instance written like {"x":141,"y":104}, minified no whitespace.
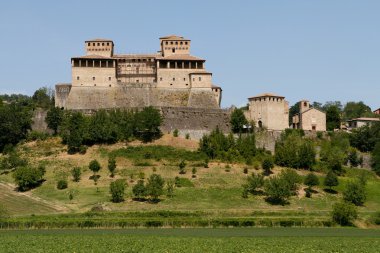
{"x":28,"y":177}
{"x":139,"y":190}
{"x":117,"y":189}
{"x":353,"y":157}
{"x":94,"y":166}
{"x":155,"y":186}
{"x":170,"y":188}
{"x":76,"y":173}
{"x":112,"y":166}
{"x":267,"y":165}
{"x":344,"y":213}
{"x":292,"y":179}
{"x":355,"y":193}
{"x":311,"y":180}
{"x":194,"y":172}
{"x":54,"y":118}
{"x":175,"y":133}
{"x":182,"y":166}
{"x":277,"y":190}
{"x":331,"y":179}
{"x":62,"y":184}
{"x":238,"y":120}
{"x":254,"y":182}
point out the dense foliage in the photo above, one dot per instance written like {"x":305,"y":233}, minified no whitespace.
{"x":355,"y":193}
{"x":344,"y":213}
{"x":27,"y":178}
{"x":155,"y":186}
{"x":117,"y":189}
{"x":238,"y":121}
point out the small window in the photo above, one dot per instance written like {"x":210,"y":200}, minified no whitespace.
{"x":187,"y":84}
{"x":98,"y":44}
{"x":193,"y":79}
{"x":181,"y":43}
{"x":200,"y":79}
{"x":184,"y":79}
{"x":173,"y":50}
{"x":171,"y":84}
{"x":173,"y":78}
{"x":77,"y":77}
{"x":185,"y":42}
{"x":166,"y":43}
{"x":93,"y":44}
{"x":110,"y":85}
{"x":137,"y":81}
{"x":160,"y":78}
{"x":93,"y":78}
{"x":171,"y":42}
{"x":108,"y":43}
{"x":94,"y":84}
{"x":103,"y":44}
{"x":89,"y":44}
{"x":176,"y":42}
{"x":109,"y":78}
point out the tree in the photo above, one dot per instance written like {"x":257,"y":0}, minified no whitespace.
{"x":148,"y":122}
{"x":139,"y":190}
{"x":182,"y":166}
{"x":15,"y":122}
{"x":155,"y":186}
{"x":353,"y":157}
{"x":12,"y":160}
{"x":277,"y":190}
{"x":293,"y":110}
{"x":293,"y":180}
{"x":355,"y":193}
{"x":356,"y":110}
{"x":94,"y":166}
{"x":254,"y":182}
{"x":76,"y":173}
{"x":112,"y":165}
{"x":333,"y":118}
{"x":54,"y":118}
{"x":344,"y":213}
{"x":306,"y":155}
{"x":62,"y":184}
{"x":170,"y":185}
{"x":74,"y":131}
{"x":43,"y":98}
{"x":117,"y":189}
{"x":331,"y":179}
{"x":101,"y":128}
{"x":376,"y":159}
{"x":28,"y":177}
{"x":238,"y":121}
{"x":267,"y":164}
{"x":311,"y":180}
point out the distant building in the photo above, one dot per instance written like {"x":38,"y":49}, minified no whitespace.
{"x":359,"y":122}
{"x":269,"y":111}
{"x":376,"y":111}
{"x":309,"y":118}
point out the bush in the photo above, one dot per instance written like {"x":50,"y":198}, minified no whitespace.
{"x":36,"y":135}
{"x":311,"y":180}
{"x":254,"y":182}
{"x":62,"y":184}
{"x":277,"y":189}
{"x":331,"y":179}
{"x":12,"y":161}
{"x":175,"y":133}
{"x":117,"y":189}
{"x":139,"y":190}
{"x":112,"y":166}
{"x":355,"y":193}
{"x":187,"y":136}
{"x":376,"y":158}
{"x":292,"y":179}
{"x":28,"y":177}
{"x":183,"y":182}
{"x":76,"y":173}
{"x":94,"y":166}
{"x":267,"y":165}
{"x":308,"y":193}
{"x":344,"y":213}
{"x":245,"y":170}
{"x":182,"y":166}
{"x":170,"y":188}
{"x":155,"y":186}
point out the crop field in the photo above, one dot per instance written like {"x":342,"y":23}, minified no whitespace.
{"x":193,"y":240}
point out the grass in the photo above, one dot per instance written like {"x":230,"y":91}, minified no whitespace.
{"x":192,"y":240}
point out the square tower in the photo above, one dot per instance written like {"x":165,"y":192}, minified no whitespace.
{"x":173,"y":44}
{"x":102,"y":47}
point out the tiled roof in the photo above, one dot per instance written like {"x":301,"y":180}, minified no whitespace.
{"x":172,"y":37}
{"x":99,"y":39}
{"x":267,"y":95}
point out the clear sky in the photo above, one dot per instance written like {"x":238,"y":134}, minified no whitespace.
{"x":320,"y":50}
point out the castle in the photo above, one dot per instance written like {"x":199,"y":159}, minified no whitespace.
{"x":172,"y":77}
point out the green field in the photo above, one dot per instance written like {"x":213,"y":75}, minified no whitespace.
{"x":193,"y":240}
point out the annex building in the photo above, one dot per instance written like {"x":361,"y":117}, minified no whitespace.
{"x":172,"y":77}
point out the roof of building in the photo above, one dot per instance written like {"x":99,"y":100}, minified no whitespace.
{"x":172,"y":37}
{"x":376,"y":110}
{"x":313,"y":108}
{"x":132,"y":56}
{"x":185,"y":57}
{"x":92,"y":56}
{"x":99,"y":39}
{"x":365,"y":119}
{"x":266,"y":95}
{"x":216,"y":86}
{"x":201,"y":73}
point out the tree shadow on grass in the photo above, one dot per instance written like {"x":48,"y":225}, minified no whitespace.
{"x":331,"y":191}
{"x":277,"y":201}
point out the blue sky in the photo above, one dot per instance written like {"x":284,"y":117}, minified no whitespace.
{"x":302,"y":49}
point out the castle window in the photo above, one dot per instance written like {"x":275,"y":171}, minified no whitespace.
{"x":304,"y":104}
{"x":93,"y":78}
{"x":94,"y":84}
{"x":77,"y":77}
{"x":110,"y":85}
{"x":109,"y":78}
{"x":108,"y":43}
{"x":137,"y":81}
{"x":176,"y":42}
{"x":103,"y":44}
{"x":93,"y":44}
{"x":187,"y":84}
{"x":171,"y":42}
{"x":185,"y":42}
{"x":98,"y":44}
{"x":89,"y":44}
{"x":200,"y":79}
{"x":184,"y":79}
{"x":173,"y":78}
{"x":171,"y":84}
{"x":173,"y":50}
{"x":181,"y":43}
{"x":160,"y":78}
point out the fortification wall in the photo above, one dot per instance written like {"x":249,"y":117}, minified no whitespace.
{"x":87,"y":98}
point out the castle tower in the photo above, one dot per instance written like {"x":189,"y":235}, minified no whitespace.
{"x":173,"y":44}
{"x":102,"y":47}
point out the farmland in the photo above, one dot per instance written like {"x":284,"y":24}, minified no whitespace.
{"x":192,"y":240}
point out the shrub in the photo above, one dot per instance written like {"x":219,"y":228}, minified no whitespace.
{"x":355,"y":193}
{"x":331,"y":179}
{"x":175,"y":133}
{"x":238,"y":121}
{"x":112,"y":166}
{"x":344,"y":213}
{"x":267,"y":165}
{"x":245,"y":170}
{"x":182,"y":166}
{"x":117,"y":189}
{"x":353,"y":157}
{"x":376,"y":158}
{"x":311,"y":180}
{"x":254,"y":182}
{"x":155,"y":186}
{"x":62,"y":184}
{"x":94,"y":166}
{"x":308,"y":193}
{"x":183,"y":182}
{"x":170,"y":188}
{"x":139,"y":190}
{"x":12,"y":161}
{"x":277,"y":189}
{"x":292,"y":179}
{"x":76,"y":173}
{"x":187,"y":136}
{"x":28,"y":177}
